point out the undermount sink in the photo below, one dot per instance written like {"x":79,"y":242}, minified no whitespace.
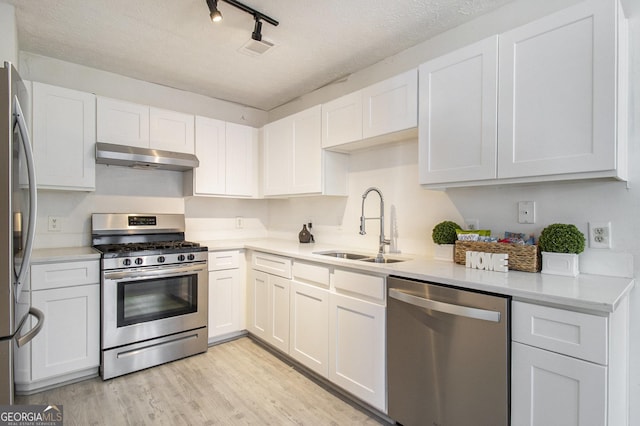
{"x":343,"y":255}
{"x":356,"y":256}
{"x":384,"y":260}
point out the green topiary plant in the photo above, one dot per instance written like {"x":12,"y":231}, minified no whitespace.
{"x":445,"y":232}
{"x":561,"y":238}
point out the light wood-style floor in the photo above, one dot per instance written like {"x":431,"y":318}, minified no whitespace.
{"x":235,"y":383}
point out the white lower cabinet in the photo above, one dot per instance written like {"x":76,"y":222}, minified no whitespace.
{"x":268,"y":299}
{"x":553,"y":389}
{"x":68,"y":346}
{"x":357,"y":360}
{"x":331,"y":321}
{"x":309,"y":316}
{"x":226,"y":295}
{"x":569,"y":368}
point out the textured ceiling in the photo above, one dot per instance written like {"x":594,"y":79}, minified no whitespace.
{"x":174,"y":43}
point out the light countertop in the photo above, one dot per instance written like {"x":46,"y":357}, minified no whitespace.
{"x":66,"y":254}
{"x":587,"y":292}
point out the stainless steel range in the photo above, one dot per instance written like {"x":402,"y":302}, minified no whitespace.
{"x":154,"y":291}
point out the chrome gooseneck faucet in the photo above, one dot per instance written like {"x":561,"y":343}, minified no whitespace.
{"x":363,"y":219}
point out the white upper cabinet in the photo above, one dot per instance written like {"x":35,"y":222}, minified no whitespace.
{"x":561,"y":103}
{"x":391,"y":105}
{"x":122,"y":123}
{"x":228,"y":159}
{"x":64,"y":138}
{"x":126,"y":123}
{"x":294,"y":162}
{"x":458,"y":110}
{"x":342,"y":120}
{"x":170,"y":130}
{"x":383,"y":112}
{"x":558,"y":101}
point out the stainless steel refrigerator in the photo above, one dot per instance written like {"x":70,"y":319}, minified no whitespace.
{"x":17,"y":214}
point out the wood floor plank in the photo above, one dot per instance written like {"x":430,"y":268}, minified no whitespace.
{"x":235,"y":383}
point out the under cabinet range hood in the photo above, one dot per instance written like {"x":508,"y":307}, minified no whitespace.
{"x":144,"y":158}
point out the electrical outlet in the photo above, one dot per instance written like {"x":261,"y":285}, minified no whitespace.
{"x":526,"y":212}
{"x":600,"y":234}
{"x":239,"y":222}
{"x":471,"y":224}
{"x":55,"y":224}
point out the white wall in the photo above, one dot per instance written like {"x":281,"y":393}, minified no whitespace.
{"x":8,"y":34}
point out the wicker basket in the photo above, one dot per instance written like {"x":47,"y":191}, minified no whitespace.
{"x":521,"y":257}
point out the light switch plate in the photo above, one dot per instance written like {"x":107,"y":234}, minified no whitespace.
{"x":526,"y":212}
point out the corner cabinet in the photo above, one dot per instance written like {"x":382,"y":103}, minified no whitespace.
{"x":226,"y":295}
{"x":294,"y":162}
{"x":64,"y":138}
{"x":68,"y":346}
{"x":228,"y":155}
{"x":561,"y":103}
{"x":569,"y":367}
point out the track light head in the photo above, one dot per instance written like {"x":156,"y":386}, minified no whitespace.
{"x":257,"y":31}
{"x":214,"y":13}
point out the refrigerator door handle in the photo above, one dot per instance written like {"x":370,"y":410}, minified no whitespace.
{"x":464,"y":311}
{"x":31,"y":232}
{"x":23,"y":340}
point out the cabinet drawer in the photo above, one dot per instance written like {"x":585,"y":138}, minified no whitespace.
{"x":311,"y":273}
{"x":275,"y":265}
{"x":67,"y":274}
{"x":365,"y":285}
{"x":221,"y":260}
{"x":571,"y":333}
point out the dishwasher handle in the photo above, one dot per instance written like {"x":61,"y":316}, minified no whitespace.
{"x":463,"y":311}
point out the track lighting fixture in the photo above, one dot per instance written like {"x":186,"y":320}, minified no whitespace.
{"x":216,"y":16}
{"x":214,"y":13}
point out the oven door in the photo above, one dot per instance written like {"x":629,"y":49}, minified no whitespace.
{"x":151,"y":302}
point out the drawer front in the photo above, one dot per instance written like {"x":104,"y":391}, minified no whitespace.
{"x":221,"y":260}
{"x":370,"y":286}
{"x":271,"y":264}
{"x":571,"y":333}
{"x":311,"y":273}
{"x":65,"y":274}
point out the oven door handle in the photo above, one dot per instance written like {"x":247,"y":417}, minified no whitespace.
{"x":154,"y":272}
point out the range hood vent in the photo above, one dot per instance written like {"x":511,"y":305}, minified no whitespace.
{"x":144,"y":158}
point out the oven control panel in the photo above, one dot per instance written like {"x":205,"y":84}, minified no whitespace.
{"x":153,"y":260}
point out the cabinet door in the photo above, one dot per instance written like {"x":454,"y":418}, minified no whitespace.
{"x":171,"y":130}
{"x":458,"y":115}
{"x":225,"y":293}
{"x":258,"y":304}
{"x":64,"y":139}
{"x":277,"y":157}
{"x":70,"y":338}
{"x":241,"y":165}
{"x":309,"y":342}
{"x":342,"y":120}
{"x":391,"y":105}
{"x":557,"y":102}
{"x":553,"y":389}
{"x":306,"y":169}
{"x":122,"y":123}
{"x":357,"y":359}
{"x":279,"y":313}
{"x":211,"y":151}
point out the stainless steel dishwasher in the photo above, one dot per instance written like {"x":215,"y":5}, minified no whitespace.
{"x":448,"y":357}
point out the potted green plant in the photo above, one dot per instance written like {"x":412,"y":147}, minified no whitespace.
{"x":560,"y":245}
{"x":444,"y":236}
